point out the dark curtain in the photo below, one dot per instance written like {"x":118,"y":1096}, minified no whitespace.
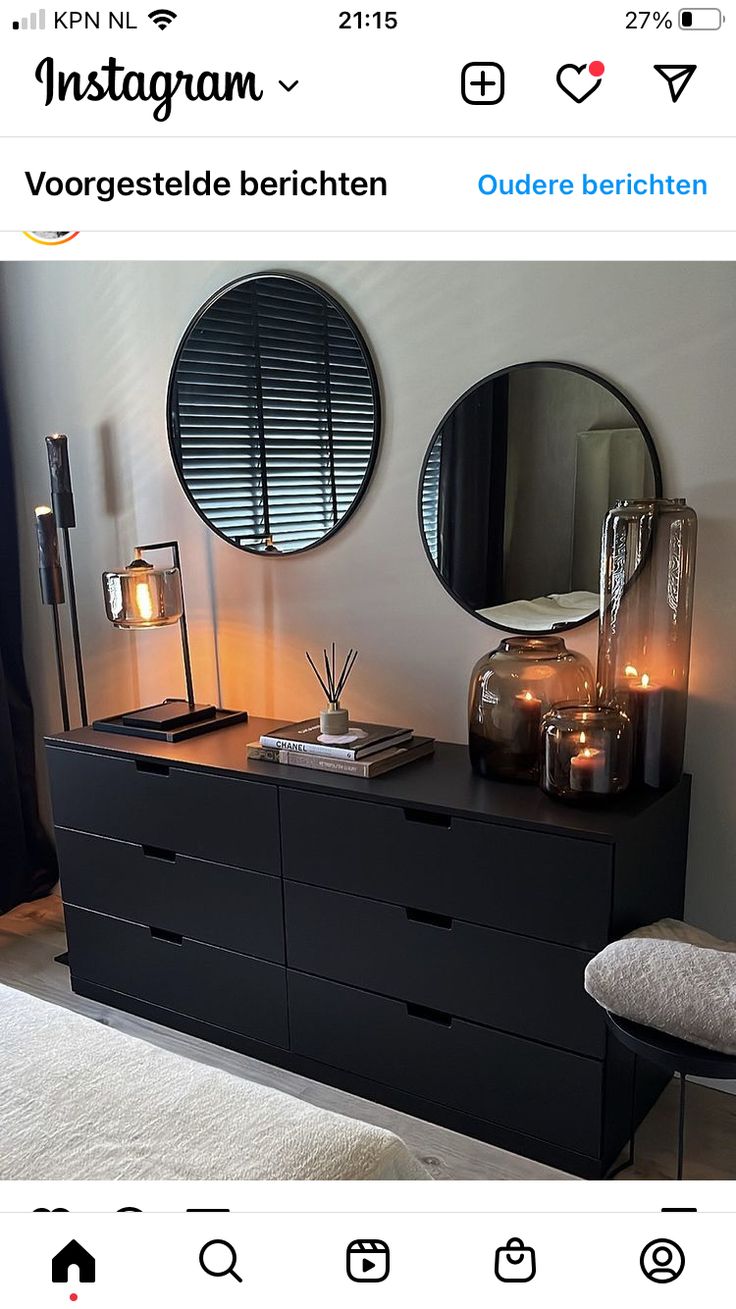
{"x":27,"y":860}
{"x":472,"y":496}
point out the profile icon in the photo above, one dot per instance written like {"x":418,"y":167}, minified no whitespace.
{"x":662,"y":1261}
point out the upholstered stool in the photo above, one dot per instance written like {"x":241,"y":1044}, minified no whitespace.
{"x":669,"y":992}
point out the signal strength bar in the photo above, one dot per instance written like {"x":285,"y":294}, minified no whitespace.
{"x":34,"y":22}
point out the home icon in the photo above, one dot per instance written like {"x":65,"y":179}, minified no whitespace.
{"x":73,"y":1255}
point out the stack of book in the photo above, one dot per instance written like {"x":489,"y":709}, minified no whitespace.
{"x":367,"y":749}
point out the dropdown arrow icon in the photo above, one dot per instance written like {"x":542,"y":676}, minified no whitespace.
{"x":289,"y":87}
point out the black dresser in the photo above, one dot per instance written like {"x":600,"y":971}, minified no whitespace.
{"x":419,"y":939}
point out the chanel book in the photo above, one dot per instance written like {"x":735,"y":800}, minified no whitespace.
{"x":360,"y":740}
{"x":383,"y":762}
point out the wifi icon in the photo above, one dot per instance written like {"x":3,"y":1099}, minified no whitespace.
{"x":163,"y":18}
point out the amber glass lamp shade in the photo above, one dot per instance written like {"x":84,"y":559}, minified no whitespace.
{"x":647,"y":580}
{"x":511,"y":689}
{"x":141,"y":596}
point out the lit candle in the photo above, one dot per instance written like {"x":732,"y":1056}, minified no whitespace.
{"x":650,"y":709}
{"x":527,"y":722}
{"x":588,"y":768}
{"x":530,"y":705}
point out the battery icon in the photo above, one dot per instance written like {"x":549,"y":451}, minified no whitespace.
{"x":701,"y":20}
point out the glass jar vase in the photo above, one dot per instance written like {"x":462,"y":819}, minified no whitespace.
{"x":586,"y":753}
{"x":511,"y":689}
{"x":647,"y":580}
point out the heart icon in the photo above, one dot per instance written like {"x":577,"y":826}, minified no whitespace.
{"x":580,"y":80}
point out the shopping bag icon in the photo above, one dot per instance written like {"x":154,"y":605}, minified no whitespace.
{"x":515,"y":1262}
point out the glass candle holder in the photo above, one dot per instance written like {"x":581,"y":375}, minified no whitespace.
{"x":511,"y":689}
{"x":647,"y":580}
{"x":586,"y":752}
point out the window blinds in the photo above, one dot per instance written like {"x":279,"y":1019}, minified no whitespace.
{"x":431,"y":498}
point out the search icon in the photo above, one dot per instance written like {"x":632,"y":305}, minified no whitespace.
{"x":230,"y":1260}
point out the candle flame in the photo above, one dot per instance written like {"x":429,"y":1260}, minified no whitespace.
{"x":527,"y":695}
{"x":582,"y":738}
{"x":587,"y":753}
{"x":630,"y":671}
{"x":143,"y":601}
{"x":645,"y":679}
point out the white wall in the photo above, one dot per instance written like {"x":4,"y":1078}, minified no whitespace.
{"x":87,"y":351}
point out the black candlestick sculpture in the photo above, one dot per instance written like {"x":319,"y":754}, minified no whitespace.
{"x":62,"y":499}
{"x":52,"y":591}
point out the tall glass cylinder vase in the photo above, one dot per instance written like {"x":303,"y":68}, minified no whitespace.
{"x":647,"y":578}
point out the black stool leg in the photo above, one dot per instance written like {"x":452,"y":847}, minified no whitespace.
{"x":681,"y":1127}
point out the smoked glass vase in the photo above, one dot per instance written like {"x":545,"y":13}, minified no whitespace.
{"x":511,"y":689}
{"x":647,"y":579}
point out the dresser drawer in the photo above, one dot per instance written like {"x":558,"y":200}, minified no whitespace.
{"x":229,"y":990}
{"x":223,"y":819}
{"x":555,"y":888}
{"x":213,"y":903}
{"x":526,"y":987}
{"x":502,"y":1079}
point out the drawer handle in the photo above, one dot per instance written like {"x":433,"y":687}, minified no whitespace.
{"x":429,"y":1015}
{"x":149,"y":766}
{"x":427,"y":818}
{"x":155,"y":852}
{"x":173,"y":938}
{"x":431,"y":920}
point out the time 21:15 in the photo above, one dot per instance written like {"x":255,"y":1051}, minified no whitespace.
{"x":381,"y":18}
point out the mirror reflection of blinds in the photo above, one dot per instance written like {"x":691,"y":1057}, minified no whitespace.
{"x":431,"y":498}
{"x":276,"y":414}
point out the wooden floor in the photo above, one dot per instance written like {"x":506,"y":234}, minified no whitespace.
{"x":32,"y":935}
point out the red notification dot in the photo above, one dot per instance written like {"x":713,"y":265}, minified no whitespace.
{"x":73,"y":1295}
{"x":596,"y":69}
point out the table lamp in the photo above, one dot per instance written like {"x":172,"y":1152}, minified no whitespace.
{"x":142,"y":597}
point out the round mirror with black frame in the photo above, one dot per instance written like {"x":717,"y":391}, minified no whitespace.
{"x":515,"y":486}
{"x":274,"y":414}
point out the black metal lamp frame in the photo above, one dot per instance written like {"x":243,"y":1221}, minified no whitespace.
{"x":173,"y":546}
{"x":193,"y":721}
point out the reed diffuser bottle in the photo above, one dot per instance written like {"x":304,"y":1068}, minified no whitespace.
{"x":334,"y":720}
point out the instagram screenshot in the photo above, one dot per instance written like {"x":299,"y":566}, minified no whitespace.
{"x":367,"y":709}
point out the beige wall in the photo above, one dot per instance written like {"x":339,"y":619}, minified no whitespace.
{"x":88,"y":348}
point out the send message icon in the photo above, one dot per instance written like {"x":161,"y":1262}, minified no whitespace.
{"x":515,"y":1262}
{"x":368,"y":1261}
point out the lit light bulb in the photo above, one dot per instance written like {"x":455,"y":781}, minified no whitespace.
{"x":143,"y":601}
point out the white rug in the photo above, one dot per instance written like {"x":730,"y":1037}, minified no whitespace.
{"x":82,"y":1102}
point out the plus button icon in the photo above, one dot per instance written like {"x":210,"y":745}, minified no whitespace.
{"x":483,"y":84}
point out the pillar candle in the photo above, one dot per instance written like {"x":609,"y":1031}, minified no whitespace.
{"x":527,"y":722}
{"x":657,"y":716}
{"x":588,"y":769}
